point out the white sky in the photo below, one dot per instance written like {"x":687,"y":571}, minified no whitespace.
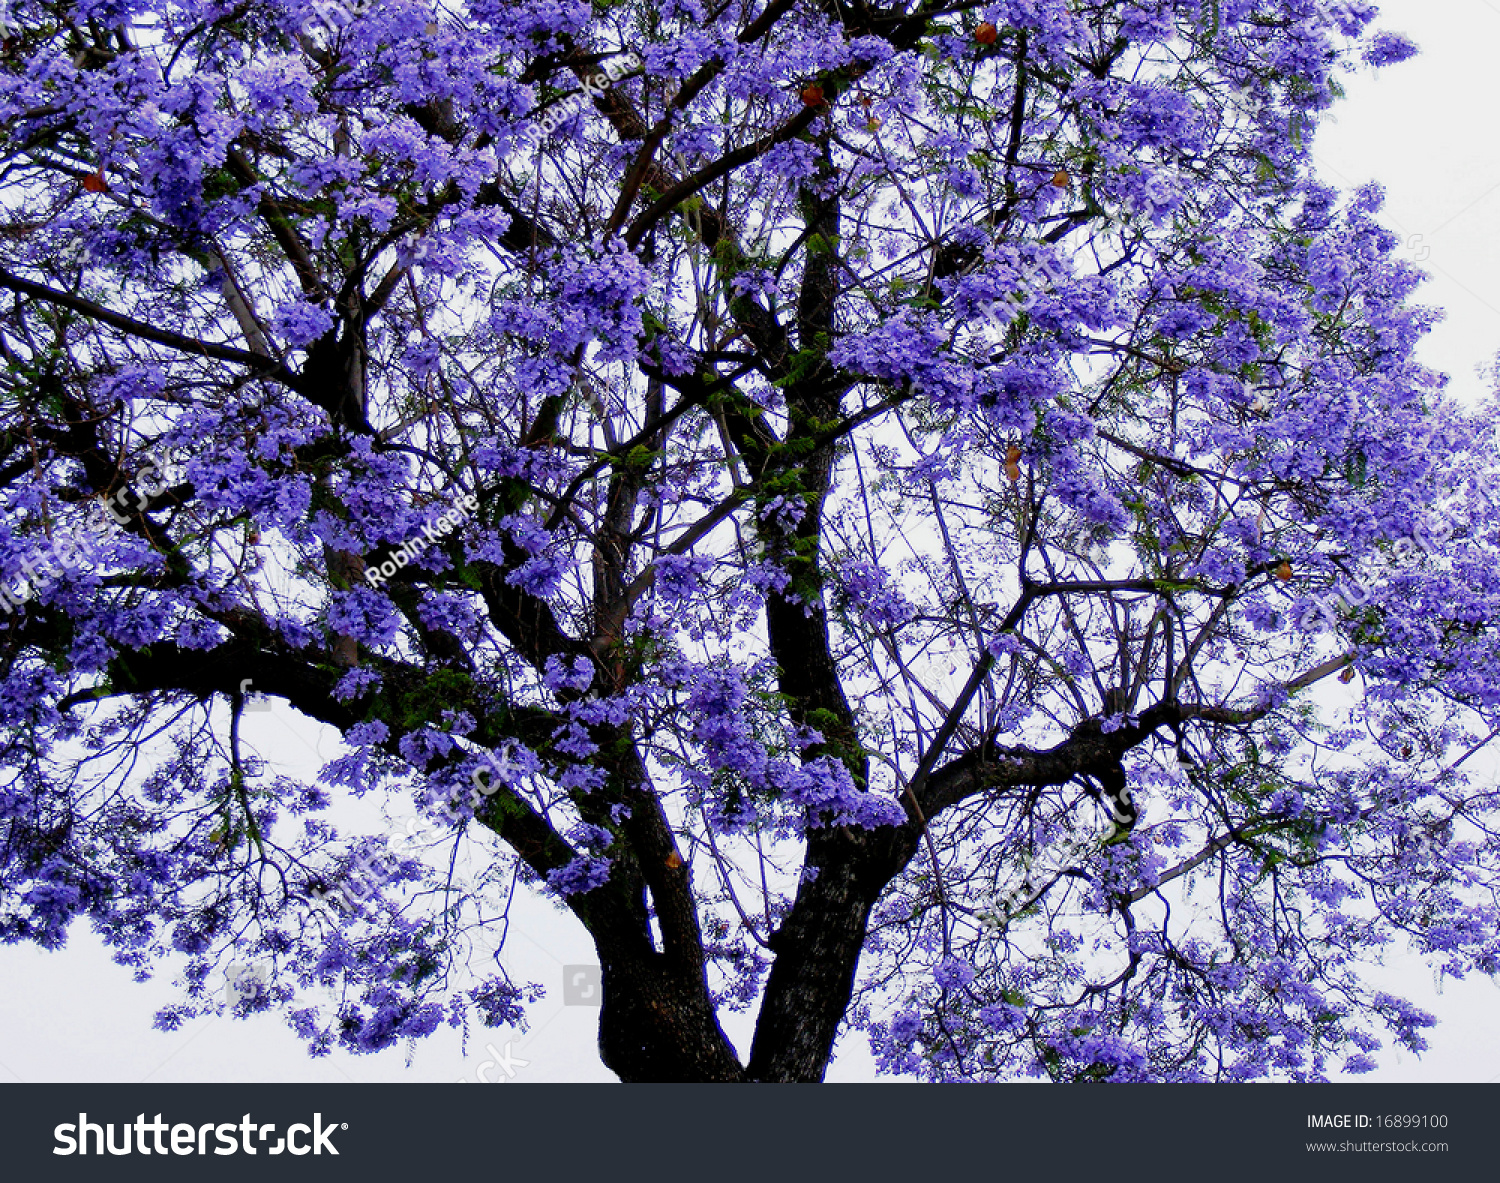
{"x":1421,"y":129}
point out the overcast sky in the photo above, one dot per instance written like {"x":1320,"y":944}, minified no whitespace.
{"x":1420,"y":129}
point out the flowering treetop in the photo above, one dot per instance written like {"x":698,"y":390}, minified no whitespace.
{"x":873,"y":508}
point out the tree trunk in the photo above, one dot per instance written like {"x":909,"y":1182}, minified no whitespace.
{"x":654,"y":1026}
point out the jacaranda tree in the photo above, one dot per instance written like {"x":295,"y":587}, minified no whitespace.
{"x":918,"y":520}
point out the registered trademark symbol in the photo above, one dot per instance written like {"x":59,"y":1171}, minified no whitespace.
{"x":346,"y":1125}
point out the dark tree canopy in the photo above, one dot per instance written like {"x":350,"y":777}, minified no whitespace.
{"x":916,"y":520}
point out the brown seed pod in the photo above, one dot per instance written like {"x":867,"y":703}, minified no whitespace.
{"x":1061,"y":178}
{"x":1284,"y":572}
{"x":986,"y":34}
{"x":812,"y":95}
{"x":95,"y":182}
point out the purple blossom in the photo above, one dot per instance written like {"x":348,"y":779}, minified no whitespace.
{"x":824,"y":515}
{"x":581,"y":875}
{"x":299,"y":323}
{"x":1387,"y":49}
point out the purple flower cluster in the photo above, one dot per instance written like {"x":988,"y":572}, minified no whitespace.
{"x":879,"y":468}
